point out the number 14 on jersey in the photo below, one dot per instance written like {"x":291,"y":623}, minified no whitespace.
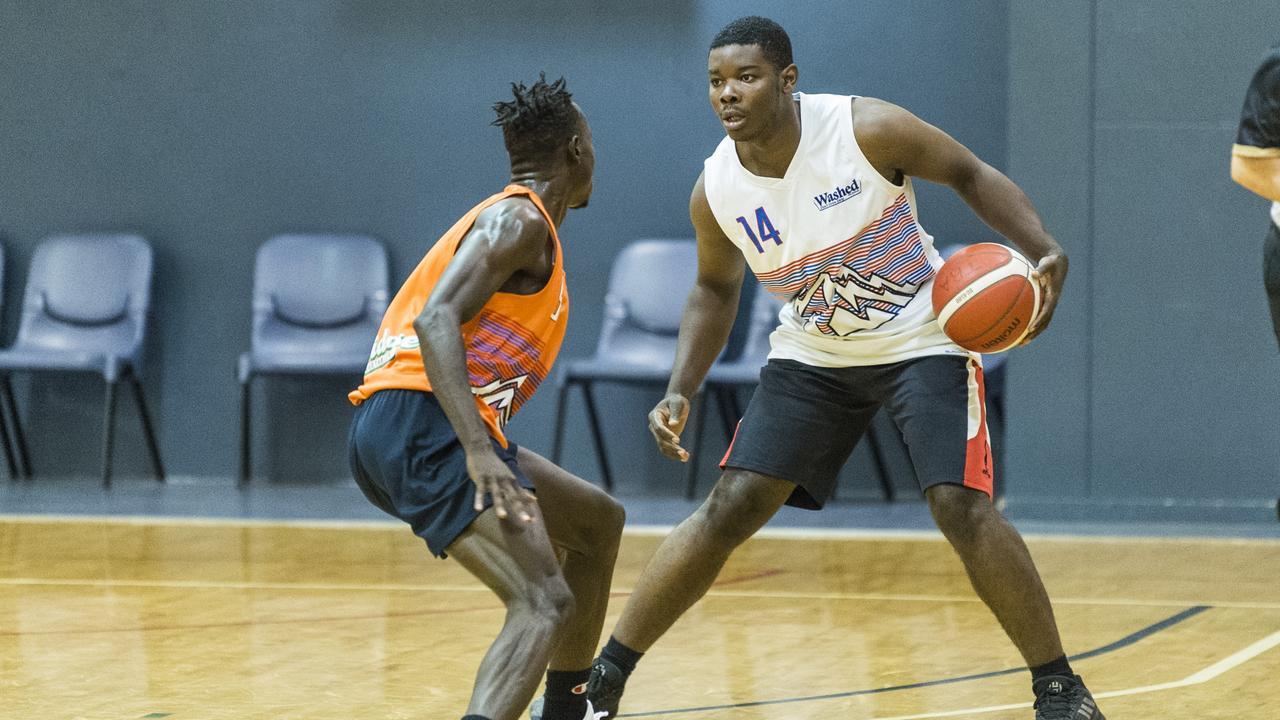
{"x":767,"y":231}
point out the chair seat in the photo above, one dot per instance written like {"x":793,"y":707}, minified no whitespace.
{"x":260,"y":363}
{"x":39,"y":359}
{"x":604,"y":368}
{"x":734,"y":373}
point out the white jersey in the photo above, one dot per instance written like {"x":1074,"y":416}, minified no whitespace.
{"x":839,"y":243}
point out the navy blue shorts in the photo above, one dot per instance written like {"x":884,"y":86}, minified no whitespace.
{"x":804,"y":421}
{"x":410,"y":464}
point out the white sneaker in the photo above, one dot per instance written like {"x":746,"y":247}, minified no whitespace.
{"x":535,"y":712}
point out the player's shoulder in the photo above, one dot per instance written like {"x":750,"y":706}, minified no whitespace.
{"x":514,"y":222}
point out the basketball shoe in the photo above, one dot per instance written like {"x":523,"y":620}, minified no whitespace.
{"x":1064,"y":697}
{"x":605,"y":687}
{"x":535,"y":711}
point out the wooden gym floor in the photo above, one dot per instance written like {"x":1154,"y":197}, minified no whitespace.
{"x":117,"y":619}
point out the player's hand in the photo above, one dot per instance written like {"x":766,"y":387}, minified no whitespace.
{"x":666,"y":422}
{"x":1051,"y":272}
{"x":492,"y":476}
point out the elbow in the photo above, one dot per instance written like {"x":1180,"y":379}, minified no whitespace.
{"x":431,"y":317}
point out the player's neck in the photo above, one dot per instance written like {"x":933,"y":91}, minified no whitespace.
{"x":771,"y":155}
{"x":551,"y":190}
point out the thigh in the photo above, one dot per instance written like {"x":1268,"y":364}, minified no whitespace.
{"x":939,"y":405}
{"x":802,"y":424}
{"x":574,"y":509}
{"x":508,"y":556}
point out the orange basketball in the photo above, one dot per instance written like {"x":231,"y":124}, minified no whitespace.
{"x":985,"y":297}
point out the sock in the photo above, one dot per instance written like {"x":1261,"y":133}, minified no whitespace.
{"x":622,"y":656}
{"x":566,"y":696}
{"x":1053,"y":667}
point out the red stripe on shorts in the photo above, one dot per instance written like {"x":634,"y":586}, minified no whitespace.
{"x":725,"y":459}
{"x":977,"y":456}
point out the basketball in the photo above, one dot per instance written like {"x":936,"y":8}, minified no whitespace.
{"x":985,"y":297}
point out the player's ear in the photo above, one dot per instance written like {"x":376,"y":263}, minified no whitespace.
{"x":790,"y":76}
{"x":575,"y":149}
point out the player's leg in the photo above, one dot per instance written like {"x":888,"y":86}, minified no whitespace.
{"x":785,"y":450}
{"x":1271,"y":275}
{"x":408,"y":461}
{"x":689,"y":559}
{"x":516,"y":561}
{"x":939,"y":404}
{"x":585,"y":526}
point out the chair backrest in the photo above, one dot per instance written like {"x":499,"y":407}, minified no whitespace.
{"x":318,"y":294}
{"x":648,"y":285}
{"x":88,"y":293}
{"x":763,"y":321}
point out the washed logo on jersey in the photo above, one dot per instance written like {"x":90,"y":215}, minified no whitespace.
{"x":828,"y":200}
{"x":859,"y":284}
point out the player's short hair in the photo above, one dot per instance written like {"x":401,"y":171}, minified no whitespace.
{"x":756,"y":30}
{"x":538,"y":120}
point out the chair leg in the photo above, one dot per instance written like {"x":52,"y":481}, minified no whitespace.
{"x":698,"y":416}
{"x":877,"y":454}
{"x":246,"y":459}
{"x":9,"y":457}
{"x":19,"y":439}
{"x":557,"y":440}
{"x":148,"y":431}
{"x":727,"y":403}
{"x":593,"y":419}
{"x":108,"y":431}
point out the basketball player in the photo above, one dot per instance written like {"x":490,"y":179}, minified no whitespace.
{"x":466,"y":341}
{"x":814,"y":191}
{"x":1255,"y":164}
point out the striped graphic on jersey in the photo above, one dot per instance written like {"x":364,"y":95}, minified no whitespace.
{"x":503,"y":363}
{"x":861,"y":283}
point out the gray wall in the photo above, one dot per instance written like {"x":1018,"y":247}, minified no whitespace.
{"x":210,"y":126}
{"x":1155,"y":392}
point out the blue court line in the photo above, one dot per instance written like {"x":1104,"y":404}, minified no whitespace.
{"x":1112,"y":647}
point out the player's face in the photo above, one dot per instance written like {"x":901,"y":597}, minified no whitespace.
{"x":746,"y":91}
{"x":586,"y":162}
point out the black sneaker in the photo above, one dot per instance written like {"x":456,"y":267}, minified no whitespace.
{"x":604,"y":689}
{"x":535,"y":711}
{"x":1064,"y":697}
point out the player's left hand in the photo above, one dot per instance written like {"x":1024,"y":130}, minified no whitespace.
{"x":1051,"y":273}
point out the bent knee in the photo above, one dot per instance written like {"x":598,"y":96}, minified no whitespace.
{"x":957,"y":509}
{"x":737,"y":507}
{"x":547,"y":601}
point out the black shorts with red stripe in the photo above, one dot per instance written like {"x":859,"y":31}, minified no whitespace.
{"x":804,"y":421}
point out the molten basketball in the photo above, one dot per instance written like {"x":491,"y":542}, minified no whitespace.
{"x":985,"y":297}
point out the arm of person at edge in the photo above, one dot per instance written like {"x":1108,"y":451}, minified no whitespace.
{"x":1261,"y":175}
{"x":507,"y":238}
{"x":898,"y":143}
{"x":708,"y":317}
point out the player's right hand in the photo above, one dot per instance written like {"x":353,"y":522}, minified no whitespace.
{"x":492,"y":476}
{"x":666,"y":422}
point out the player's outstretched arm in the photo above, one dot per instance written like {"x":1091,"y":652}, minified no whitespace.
{"x":896,"y":141}
{"x":704,"y":326}
{"x":507,"y":237}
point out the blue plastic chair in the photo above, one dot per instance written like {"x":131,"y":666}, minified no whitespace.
{"x":648,"y":284}
{"x":317,"y":304}
{"x":85,"y":310}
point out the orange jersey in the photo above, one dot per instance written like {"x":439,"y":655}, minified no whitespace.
{"x":511,"y":343}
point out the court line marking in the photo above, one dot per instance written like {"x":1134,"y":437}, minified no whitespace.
{"x":779,"y":533}
{"x":1197,"y":678}
{"x":729,"y":594}
{"x":1122,"y":643}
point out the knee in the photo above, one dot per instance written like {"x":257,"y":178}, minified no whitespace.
{"x":731,"y":514}
{"x":959,"y":511}
{"x":548,"y":602}
{"x":611,"y":518}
